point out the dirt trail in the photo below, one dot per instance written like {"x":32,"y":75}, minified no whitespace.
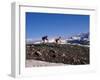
{"x":37,"y":63}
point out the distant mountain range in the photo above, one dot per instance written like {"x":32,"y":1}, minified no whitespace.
{"x":82,"y":38}
{"x":33,"y":41}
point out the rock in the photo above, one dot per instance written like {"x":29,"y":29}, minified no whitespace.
{"x":63,"y":55}
{"x":38,"y":53}
{"x":58,"y":53}
{"x":52,"y":51}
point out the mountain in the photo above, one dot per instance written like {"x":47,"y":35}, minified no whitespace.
{"x":82,"y":38}
{"x":33,"y":41}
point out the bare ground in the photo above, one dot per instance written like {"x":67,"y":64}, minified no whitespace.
{"x":37,"y":63}
{"x":55,"y":54}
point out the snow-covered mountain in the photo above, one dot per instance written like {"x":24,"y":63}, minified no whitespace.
{"x":82,"y":38}
{"x":33,"y":41}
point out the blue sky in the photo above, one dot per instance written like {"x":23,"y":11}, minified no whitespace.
{"x":53,"y":25}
